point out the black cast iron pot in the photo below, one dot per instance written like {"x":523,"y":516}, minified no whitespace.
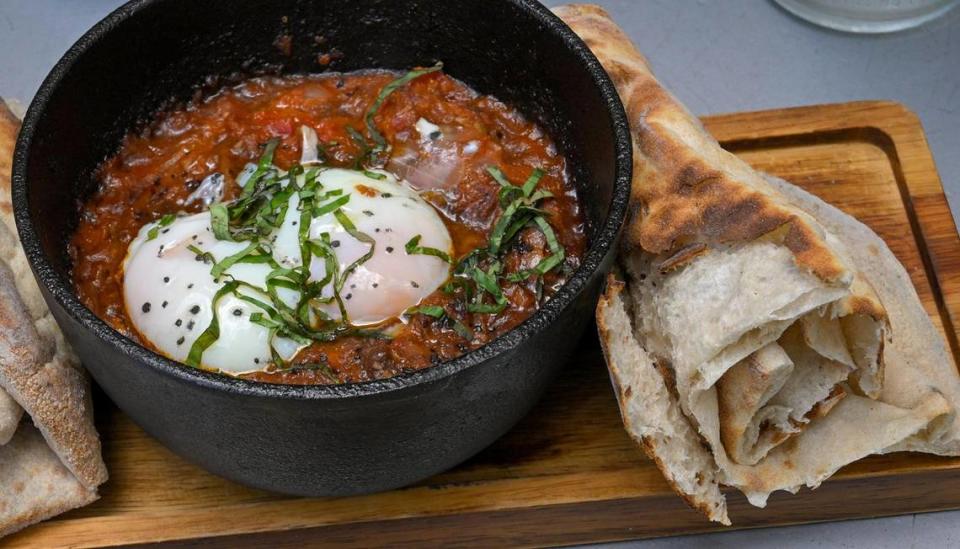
{"x":322,"y":440}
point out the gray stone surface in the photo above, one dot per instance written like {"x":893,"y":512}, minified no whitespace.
{"x":720,"y":56}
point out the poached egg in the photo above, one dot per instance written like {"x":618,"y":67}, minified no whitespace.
{"x":169,"y":289}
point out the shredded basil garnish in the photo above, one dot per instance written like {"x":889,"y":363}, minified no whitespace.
{"x":221,"y":266}
{"x":548,"y":263}
{"x":478,"y":275}
{"x":438,"y":312}
{"x":531,"y":182}
{"x":358,"y":235}
{"x":498,"y":176}
{"x":434,"y":311}
{"x":331,"y":206}
{"x":201,"y":255}
{"x":319,"y":367}
{"x":380,"y":145}
{"x":413,"y":247}
{"x":253,"y":218}
{"x":220,"y":221}
{"x":212,"y":333}
{"x":155,"y":230}
{"x":461,"y":329}
{"x":366,"y":152}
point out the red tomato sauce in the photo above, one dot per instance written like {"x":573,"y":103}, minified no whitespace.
{"x":158,"y":167}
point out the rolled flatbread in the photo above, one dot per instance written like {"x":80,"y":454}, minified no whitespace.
{"x":784,"y":341}
{"x":51,"y":462}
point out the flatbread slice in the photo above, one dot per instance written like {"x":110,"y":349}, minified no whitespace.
{"x":761,"y":309}
{"x":48,"y":383}
{"x":41,"y":374}
{"x":35,"y":484}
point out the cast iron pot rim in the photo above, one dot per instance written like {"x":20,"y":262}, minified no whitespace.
{"x":62,"y":291}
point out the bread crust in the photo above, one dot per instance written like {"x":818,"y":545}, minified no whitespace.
{"x":37,"y":367}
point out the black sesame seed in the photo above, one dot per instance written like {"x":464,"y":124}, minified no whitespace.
{"x":194,"y":237}
{"x":166,"y":279}
{"x":256,"y":361}
{"x":377,"y":230}
{"x":375,"y":285}
{"x":237,"y":312}
{"x":349,"y":296}
{"x":165,"y":231}
{"x":164,"y":304}
{"x":388,"y":229}
{"x":190,"y":325}
{"x":353,"y":286}
{"x":414,"y":284}
{"x":335,"y":243}
{"x":179,"y":322}
{"x":146,"y":307}
{"x":190,"y":285}
{"x":293,"y":223}
{"x":180,"y":341}
{"x":195,"y":309}
{"x":434,"y":135}
{"x":389,"y":249}
{"x":368,"y":213}
{"x":386,"y":195}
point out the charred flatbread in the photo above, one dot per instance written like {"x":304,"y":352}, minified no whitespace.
{"x":790,"y":350}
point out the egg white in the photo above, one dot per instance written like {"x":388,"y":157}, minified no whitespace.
{"x":169,"y":292}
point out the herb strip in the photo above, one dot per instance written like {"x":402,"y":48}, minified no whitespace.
{"x":155,"y":230}
{"x":413,"y":247}
{"x":438,"y":312}
{"x":380,"y":147}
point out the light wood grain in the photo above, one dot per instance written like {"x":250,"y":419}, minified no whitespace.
{"x":568,"y":473}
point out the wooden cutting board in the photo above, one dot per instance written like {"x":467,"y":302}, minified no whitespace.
{"x":568,"y":473}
